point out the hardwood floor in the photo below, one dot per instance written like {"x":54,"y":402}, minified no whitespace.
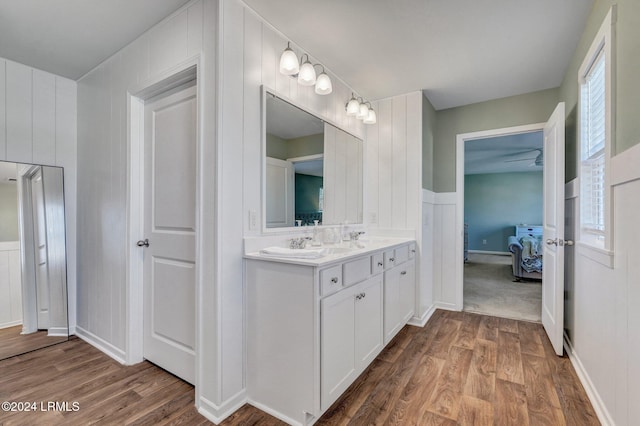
{"x":13,"y":343}
{"x":461,"y":368}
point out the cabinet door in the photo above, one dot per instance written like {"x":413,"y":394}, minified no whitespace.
{"x":368,"y":327}
{"x":337,"y":362}
{"x":407,"y":291}
{"x":391,"y":303}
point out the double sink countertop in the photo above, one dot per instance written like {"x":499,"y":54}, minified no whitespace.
{"x":331,"y":253}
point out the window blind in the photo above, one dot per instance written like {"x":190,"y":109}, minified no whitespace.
{"x":593,"y":139}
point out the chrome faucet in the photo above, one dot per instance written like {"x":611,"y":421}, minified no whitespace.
{"x":298,"y":243}
{"x":355,"y":235}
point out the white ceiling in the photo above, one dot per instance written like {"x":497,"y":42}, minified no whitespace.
{"x":71,"y":37}
{"x":458,"y":51}
{"x":503,"y":154}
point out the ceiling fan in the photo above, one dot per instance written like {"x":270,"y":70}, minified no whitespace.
{"x":537,"y":161}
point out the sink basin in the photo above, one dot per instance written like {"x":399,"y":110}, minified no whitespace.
{"x":338,"y":250}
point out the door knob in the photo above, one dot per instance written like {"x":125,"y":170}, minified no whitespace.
{"x":552,"y":242}
{"x":566,"y":242}
{"x":143,"y":243}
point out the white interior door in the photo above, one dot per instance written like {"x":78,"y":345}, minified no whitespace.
{"x":280,"y":193}
{"x":553,"y":232}
{"x":170,"y":227}
{"x":40,"y":249}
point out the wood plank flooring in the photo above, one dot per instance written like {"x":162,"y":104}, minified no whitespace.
{"x":461,"y":368}
{"x":13,"y":343}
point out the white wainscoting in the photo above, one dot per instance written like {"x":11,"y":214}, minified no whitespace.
{"x":445,"y":253}
{"x":602,"y":322}
{"x":38,"y":125}
{"x":10,"y":284}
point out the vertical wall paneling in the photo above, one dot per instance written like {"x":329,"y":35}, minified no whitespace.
{"x":385,"y":164}
{"x":195,"y":22}
{"x":399,"y":162}
{"x":168,"y":42}
{"x":19,"y":112}
{"x":329,"y":180}
{"x":252,"y":118}
{"x":44,"y":118}
{"x":231,"y":231}
{"x":372,"y":183}
{"x":3,"y":104}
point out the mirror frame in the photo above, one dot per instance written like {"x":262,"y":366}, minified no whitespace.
{"x":267,"y":91}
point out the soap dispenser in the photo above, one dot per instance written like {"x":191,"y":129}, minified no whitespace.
{"x":316,"y":235}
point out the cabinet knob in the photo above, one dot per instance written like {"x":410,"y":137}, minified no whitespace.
{"x":379,"y":263}
{"x":403,"y":273}
{"x":364,"y":295}
{"x":413,"y":250}
{"x":334,"y":280}
{"x":392,"y":259}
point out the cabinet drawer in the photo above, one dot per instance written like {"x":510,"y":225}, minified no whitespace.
{"x":377,"y":263}
{"x":402,"y":254}
{"x":412,"y":251}
{"x":389,"y":259}
{"x":356,"y":271}
{"x":330,"y":280}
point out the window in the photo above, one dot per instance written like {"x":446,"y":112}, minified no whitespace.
{"x":595,"y":140}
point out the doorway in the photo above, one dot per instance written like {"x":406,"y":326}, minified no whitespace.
{"x":503,"y":207}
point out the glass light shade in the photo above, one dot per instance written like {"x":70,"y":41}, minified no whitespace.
{"x":371,"y":117}
{"x":307,"y":75}
{"x":363,"y":112}
{"x":289,"y":62}
{"x":323,"y":84}
{"x":353,"y":107}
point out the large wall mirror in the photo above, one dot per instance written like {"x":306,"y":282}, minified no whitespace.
{"x":33,"y":267}
{"x":312,"y":169}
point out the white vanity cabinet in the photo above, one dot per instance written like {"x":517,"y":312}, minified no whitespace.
{"x":351,"y":336}
{"x":314,"y":325}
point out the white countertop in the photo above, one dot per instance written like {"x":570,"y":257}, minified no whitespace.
{"x":371,"y":244}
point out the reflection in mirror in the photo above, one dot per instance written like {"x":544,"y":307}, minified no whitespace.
{"x":294,"y":165}
{"x":313,"y":170}
{"x":33,"y":274}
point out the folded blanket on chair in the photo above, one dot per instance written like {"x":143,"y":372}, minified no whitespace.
{"x":531,"y":260}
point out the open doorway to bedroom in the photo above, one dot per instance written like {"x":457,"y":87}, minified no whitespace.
{"x":503,"y":209}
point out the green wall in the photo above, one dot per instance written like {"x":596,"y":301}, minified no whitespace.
{"x":494,"y":203}
{"x":518,"y":110}
{"x":9,"y":212}
{"x":307,"y":193}
{"x":276,"y":147}
{"x":627,"y":93}
{"x":296,"y":147}
{"x":428,"y":128}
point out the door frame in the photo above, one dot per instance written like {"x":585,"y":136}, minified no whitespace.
{"x":163,"y":83}
{"x":459,"y":239}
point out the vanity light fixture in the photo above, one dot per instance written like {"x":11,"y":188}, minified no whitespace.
{"x":304,"y":71}
{"x":323,"y":83}
{"x":361,"y":109}
{"x":307,"y":74}
{"x":371,"y":116}
{"x":289,"y":62}
{"x":353,"y":106}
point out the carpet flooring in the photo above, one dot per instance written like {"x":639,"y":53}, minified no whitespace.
{"x":489,"y":289}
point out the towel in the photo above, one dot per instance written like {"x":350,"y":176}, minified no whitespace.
{"x":531,"y":260}
{"x":293,"y":253}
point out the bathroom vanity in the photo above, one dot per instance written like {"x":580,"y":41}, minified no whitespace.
{"x":313,"y":325}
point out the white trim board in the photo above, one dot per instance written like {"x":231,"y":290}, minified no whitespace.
{"x":422,"y":320}
{"x":497,"y":253}
{"x":102,"y":345}
{"x":216,"y":413}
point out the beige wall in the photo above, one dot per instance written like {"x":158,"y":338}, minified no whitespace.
{"x":518,"y":110}
{"x":428,"y":129}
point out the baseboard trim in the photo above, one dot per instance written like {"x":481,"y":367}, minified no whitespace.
{"x":101,"y":344}
{"x":58,"y":332}
{"x":598,"y":405}
{"x":446,"y":306}
{"x":499,"y":253}
{"x":422,"y":320}
{"x":274,"y":413}
{"x":217,"y":413}
{"x":10,"y":324}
